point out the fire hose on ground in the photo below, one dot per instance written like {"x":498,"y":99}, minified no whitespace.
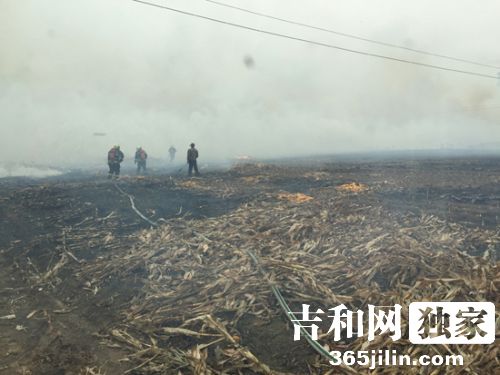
{"x":277,"y":293}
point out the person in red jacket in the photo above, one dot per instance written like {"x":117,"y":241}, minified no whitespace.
{"x":140,"y":159}
{"x":115,"y":157}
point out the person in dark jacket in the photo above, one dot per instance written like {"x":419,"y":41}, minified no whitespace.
{"x":171,"y":152}
{"x":140,"y":159}
{"x":115,"y":157}
{"x":192,"y":155}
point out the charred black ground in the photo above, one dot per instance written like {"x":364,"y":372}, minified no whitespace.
{"x":57,"y":325}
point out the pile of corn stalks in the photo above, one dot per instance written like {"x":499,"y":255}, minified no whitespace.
{"x":353,"y":187}
{"x":334,"y":248}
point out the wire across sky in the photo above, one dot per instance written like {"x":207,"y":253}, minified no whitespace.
{"x":385,"y":44}
{"x":309,"y":41}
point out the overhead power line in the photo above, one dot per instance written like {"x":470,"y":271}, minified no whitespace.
{"x":262,"y":31}
{"x":386,"y":44}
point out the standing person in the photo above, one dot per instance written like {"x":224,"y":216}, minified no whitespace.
{"x":115,"y":157}
{"x":140,"y":159}
{"x":192,"y":155}
{"x":171,"y":152}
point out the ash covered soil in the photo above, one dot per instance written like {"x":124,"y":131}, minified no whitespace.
{"x":88,"y":287}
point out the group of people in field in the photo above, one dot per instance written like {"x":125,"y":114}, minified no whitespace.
{"x":116,"y":156}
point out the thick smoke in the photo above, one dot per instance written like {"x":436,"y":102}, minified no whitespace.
{"x":146,"y":77}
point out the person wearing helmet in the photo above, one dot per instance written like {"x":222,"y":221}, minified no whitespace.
{"x":115,"y":157}
{"x":140,"y":159}
{"x":192,"y":155}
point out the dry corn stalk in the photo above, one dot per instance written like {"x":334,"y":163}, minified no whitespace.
{"x":296,"y":198}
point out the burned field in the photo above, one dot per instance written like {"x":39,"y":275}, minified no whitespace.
{"x":88,"y":287}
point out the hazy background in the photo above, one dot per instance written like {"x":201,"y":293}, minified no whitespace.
{"x":145,"y":76}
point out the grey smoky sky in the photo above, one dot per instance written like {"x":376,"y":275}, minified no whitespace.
{"x":148,"y":77}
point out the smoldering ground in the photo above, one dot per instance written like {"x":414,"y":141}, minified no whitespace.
{"x":90,"y":287}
